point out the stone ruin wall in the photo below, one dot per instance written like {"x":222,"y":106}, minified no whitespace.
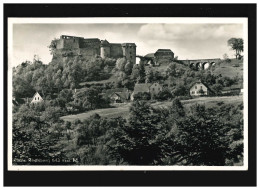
{"x":116,"y":50}
{"x":87,"y":48}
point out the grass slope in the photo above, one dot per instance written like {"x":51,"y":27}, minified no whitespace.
{"x":232,"y":69}
{"x":123,"y":109}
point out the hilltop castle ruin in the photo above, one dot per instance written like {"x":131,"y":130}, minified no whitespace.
{"x":89,"y":47}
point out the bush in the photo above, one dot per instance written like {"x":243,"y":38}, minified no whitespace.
{"x":142,"y":96}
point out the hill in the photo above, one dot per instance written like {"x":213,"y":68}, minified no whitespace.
{"x":123,"y":109}
{"x":232,"y":69}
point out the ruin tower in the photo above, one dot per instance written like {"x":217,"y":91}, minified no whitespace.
{"x":104,"y":49}
{"x":129,"y":52}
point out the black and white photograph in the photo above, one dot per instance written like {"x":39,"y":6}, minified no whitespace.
{"x":123,"y":94}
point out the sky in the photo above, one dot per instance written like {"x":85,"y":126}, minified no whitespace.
{"x":187,"y":41}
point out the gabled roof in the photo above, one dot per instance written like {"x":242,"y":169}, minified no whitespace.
{"x":142,"y":87}
{"x":201,"y":83}
{"x":123,"y":95}
{"x":109,"y":92}
{"x":164,"y":50}
{"x":105,"y":43}
{"x":36,"y":94}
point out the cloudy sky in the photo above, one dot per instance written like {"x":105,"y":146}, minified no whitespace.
{"x":187,"y":41}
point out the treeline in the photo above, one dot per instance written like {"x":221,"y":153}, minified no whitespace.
{"x":151,"y":136}
{"x":59,"y":74}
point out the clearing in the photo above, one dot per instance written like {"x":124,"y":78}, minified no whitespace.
{"x":123,"y":109}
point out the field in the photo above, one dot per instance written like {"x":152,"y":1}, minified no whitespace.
{"x":232,"y":69}
{"x":123,"y":109}
{"x":106,"y":112}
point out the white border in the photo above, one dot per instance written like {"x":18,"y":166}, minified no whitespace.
{"x":172,"y":20}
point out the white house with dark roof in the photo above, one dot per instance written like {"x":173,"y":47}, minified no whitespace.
{"x":36,"y":98}
{"x":199,"y":89}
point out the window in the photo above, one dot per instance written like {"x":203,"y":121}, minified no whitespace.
{"x":35,"y":98}
{"x":195,"y":87}
{"x":200,"y":87}
{"x":192,"y":92}
{"x":38,"y":98}
{"x":153,"y":89}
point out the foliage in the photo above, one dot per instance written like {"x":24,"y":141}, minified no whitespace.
{"x":31,"y":139}
{"x":142,"y":96}
{"x":52,"y":47}
{"x":144,"y":140}
{"x":236,"y":44}
{"x":165,"y":94}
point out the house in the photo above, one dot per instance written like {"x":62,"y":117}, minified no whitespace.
{"x":36,"y":98}
{"x":155,"y":88}
{"x":199,"y":89}
{"x":117,"y":95}
{"x":152,"y":89}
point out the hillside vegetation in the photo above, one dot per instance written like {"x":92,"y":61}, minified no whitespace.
{"x":232,"y":69}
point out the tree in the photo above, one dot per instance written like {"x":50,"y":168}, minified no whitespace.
{"x":52,"y":47}
{"x":92,"y":97}
{"x":128,"y":68}
{"x":201,"y":139}
{"x":165,"y":94}
{"x":141,"y":73}
{"x":135,"y":72}
{"x":120,"y":64}
{"x":226,"y":58}
{"x":236,"y":44}
{"x":145,"y":140}
{"x":31,"y":139}
{"x":64,"y":97}
{"x":217,"y":88}
{"x":149,"y":76}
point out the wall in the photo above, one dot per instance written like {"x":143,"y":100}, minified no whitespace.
{"x":60,"y":44}
{"x":129,"y":51}
{"x":164,"y":55}
{"x":78,"y":46}
{"x":116,"y":50}
{"x":105,"y":51}
{"x":155,"y":88}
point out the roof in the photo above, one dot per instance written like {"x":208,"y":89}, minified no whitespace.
{"x":128,"y":44}
{"x":150,"y":55}
{"x":105,"y":42}
{"x":109,"y":92}
{"x":62,"y":36}
{"x":122,"y":95}
{"x":95,"y":39}
{"x":201,"y":83}
{"x":164,"y":50}
{"x":233,"y":87}
{"x":142,"y":87}
{"x":38,"y":93}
